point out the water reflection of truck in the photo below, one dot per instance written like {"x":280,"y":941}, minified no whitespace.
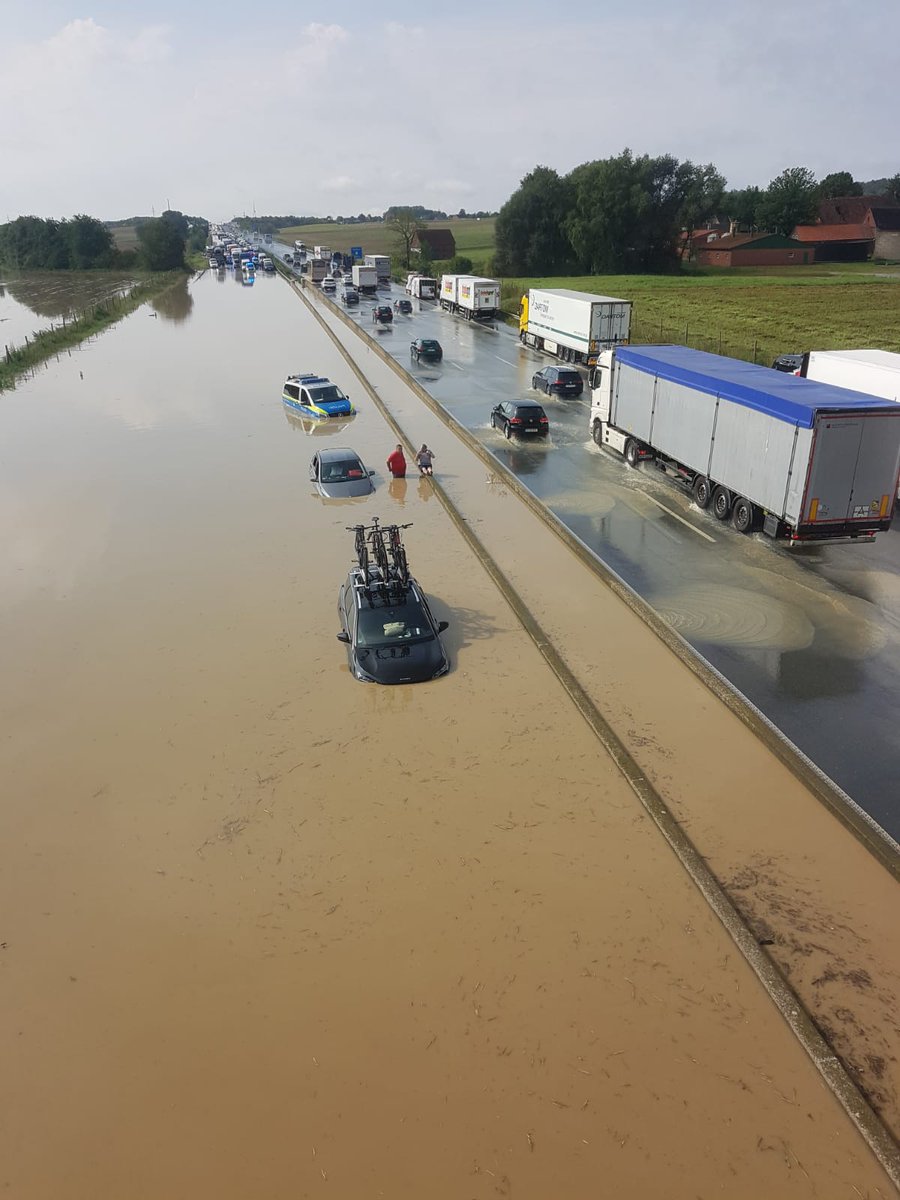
{"x":800,"y":460}
{"x":365,"y":278}
{"x":470,"y":296}
{"x":573,"y":326}
{"x":424,"y":287}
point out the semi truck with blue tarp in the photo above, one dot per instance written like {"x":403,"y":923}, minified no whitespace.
{"x":798,"y":459}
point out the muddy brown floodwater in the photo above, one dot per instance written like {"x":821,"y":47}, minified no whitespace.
{"x":270,"y":932}
{"x":32,"y":301}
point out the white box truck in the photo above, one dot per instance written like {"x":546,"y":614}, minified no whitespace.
{"x":801,"y":460}
{"x":423,"y":287}
{"x":470,"y":296}
{"x":574,"y":326}
{"x":382,"y":265}
{"x":365,"y":278}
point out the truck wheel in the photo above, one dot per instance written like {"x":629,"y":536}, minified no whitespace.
{"x":743,"y":516}
{"x":632,"y":452}
{"x":597,"y":433}
{"x":702,"y":491}
{"x":721,"y":503}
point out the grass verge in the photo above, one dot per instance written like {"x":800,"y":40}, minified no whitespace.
{"x":20,"y":359}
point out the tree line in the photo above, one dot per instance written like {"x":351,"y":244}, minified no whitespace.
{"x":83,"y":243}
{"x":627,"y":214}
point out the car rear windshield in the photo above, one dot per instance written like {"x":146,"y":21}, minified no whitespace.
{"x":429,"y":344}
{"x":569,"y":377}
{"x":385,"y":626}
{"x":530,"y":412}
{"x":326,"y":395}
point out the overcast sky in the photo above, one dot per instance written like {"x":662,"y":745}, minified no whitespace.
{"x":118,"y":107}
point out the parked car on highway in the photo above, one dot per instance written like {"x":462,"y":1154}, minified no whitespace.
{"x":340,"y":474}
{"x":382,"y":314}
{"x":403,"y":306}
{"x":427,"y":348}
{"x":791,"y":364}
{"x":563,"y":381}
{"x":520,"y":417}
{"x":393,"y":640}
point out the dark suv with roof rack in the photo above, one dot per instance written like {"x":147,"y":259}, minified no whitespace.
{"x":389,"y":631}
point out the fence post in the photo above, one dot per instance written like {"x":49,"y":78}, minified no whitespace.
{"x":720,"y":341}
{"x":754,"y":349}
{"x":686,"y":342}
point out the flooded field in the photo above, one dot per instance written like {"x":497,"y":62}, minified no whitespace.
{"x":271,"y":932}
{"x":36,"y":300}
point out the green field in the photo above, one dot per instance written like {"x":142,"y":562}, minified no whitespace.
{"x":473,"y":238}
{"x":751,"y":313}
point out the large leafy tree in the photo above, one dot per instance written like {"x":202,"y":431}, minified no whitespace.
{"x":162,"y":244}
{"x":627,"y":212}
{"x":530,"y":231}
{"x":791,"y":199}
{"x":839,"y":183}
{"x":741,"y":206}
{"x":90,"y":243}
{"x":704,"y":188}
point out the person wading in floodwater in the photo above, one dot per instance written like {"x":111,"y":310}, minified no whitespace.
{"x":396,"y":463}
{"x":424,"y":459}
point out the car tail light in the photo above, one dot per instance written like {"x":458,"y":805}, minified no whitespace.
{"x":544,"y":421}
{"x":515,"y":420}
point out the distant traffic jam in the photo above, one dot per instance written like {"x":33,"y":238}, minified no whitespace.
{"x":807,"y":453}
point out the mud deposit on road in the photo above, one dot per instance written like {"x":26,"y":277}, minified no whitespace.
{"x":271,"y":932}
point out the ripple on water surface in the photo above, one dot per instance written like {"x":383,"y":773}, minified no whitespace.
{"x":721,"y":613}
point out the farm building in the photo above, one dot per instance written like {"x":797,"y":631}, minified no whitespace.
{"x":755,"y":250}
{"x":854,"y":228}
{"x":440,"y":243}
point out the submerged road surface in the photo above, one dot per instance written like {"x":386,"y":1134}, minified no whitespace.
{"x":270,"y":932}
{"x":811,"y":636}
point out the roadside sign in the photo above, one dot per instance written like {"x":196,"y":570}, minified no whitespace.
{"x":356,"y":252}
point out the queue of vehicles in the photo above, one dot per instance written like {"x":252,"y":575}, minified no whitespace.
{"x":812,"y":459}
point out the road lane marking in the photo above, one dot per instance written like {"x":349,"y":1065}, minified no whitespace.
{"x":700,"y":532}
{"x":504,"y":360}
{"x":453,"y":364}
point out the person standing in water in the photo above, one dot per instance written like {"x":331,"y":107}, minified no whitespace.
{"x":396,"y":463}
{"x":424,"y":459}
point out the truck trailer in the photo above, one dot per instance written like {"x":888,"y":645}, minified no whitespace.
{"x":318,"y":269}
{"x":801,"y":460}
{"x":382,"y":265}
{"x":424,"y":287}
{"x":365,"y":278}
{"x":470,"y":296}
{"x":573,"y":326}
{"x":876,"y":372}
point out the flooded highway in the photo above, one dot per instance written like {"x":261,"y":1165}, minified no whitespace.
{"x":811,"y":636}
{"x":271,"y":932}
